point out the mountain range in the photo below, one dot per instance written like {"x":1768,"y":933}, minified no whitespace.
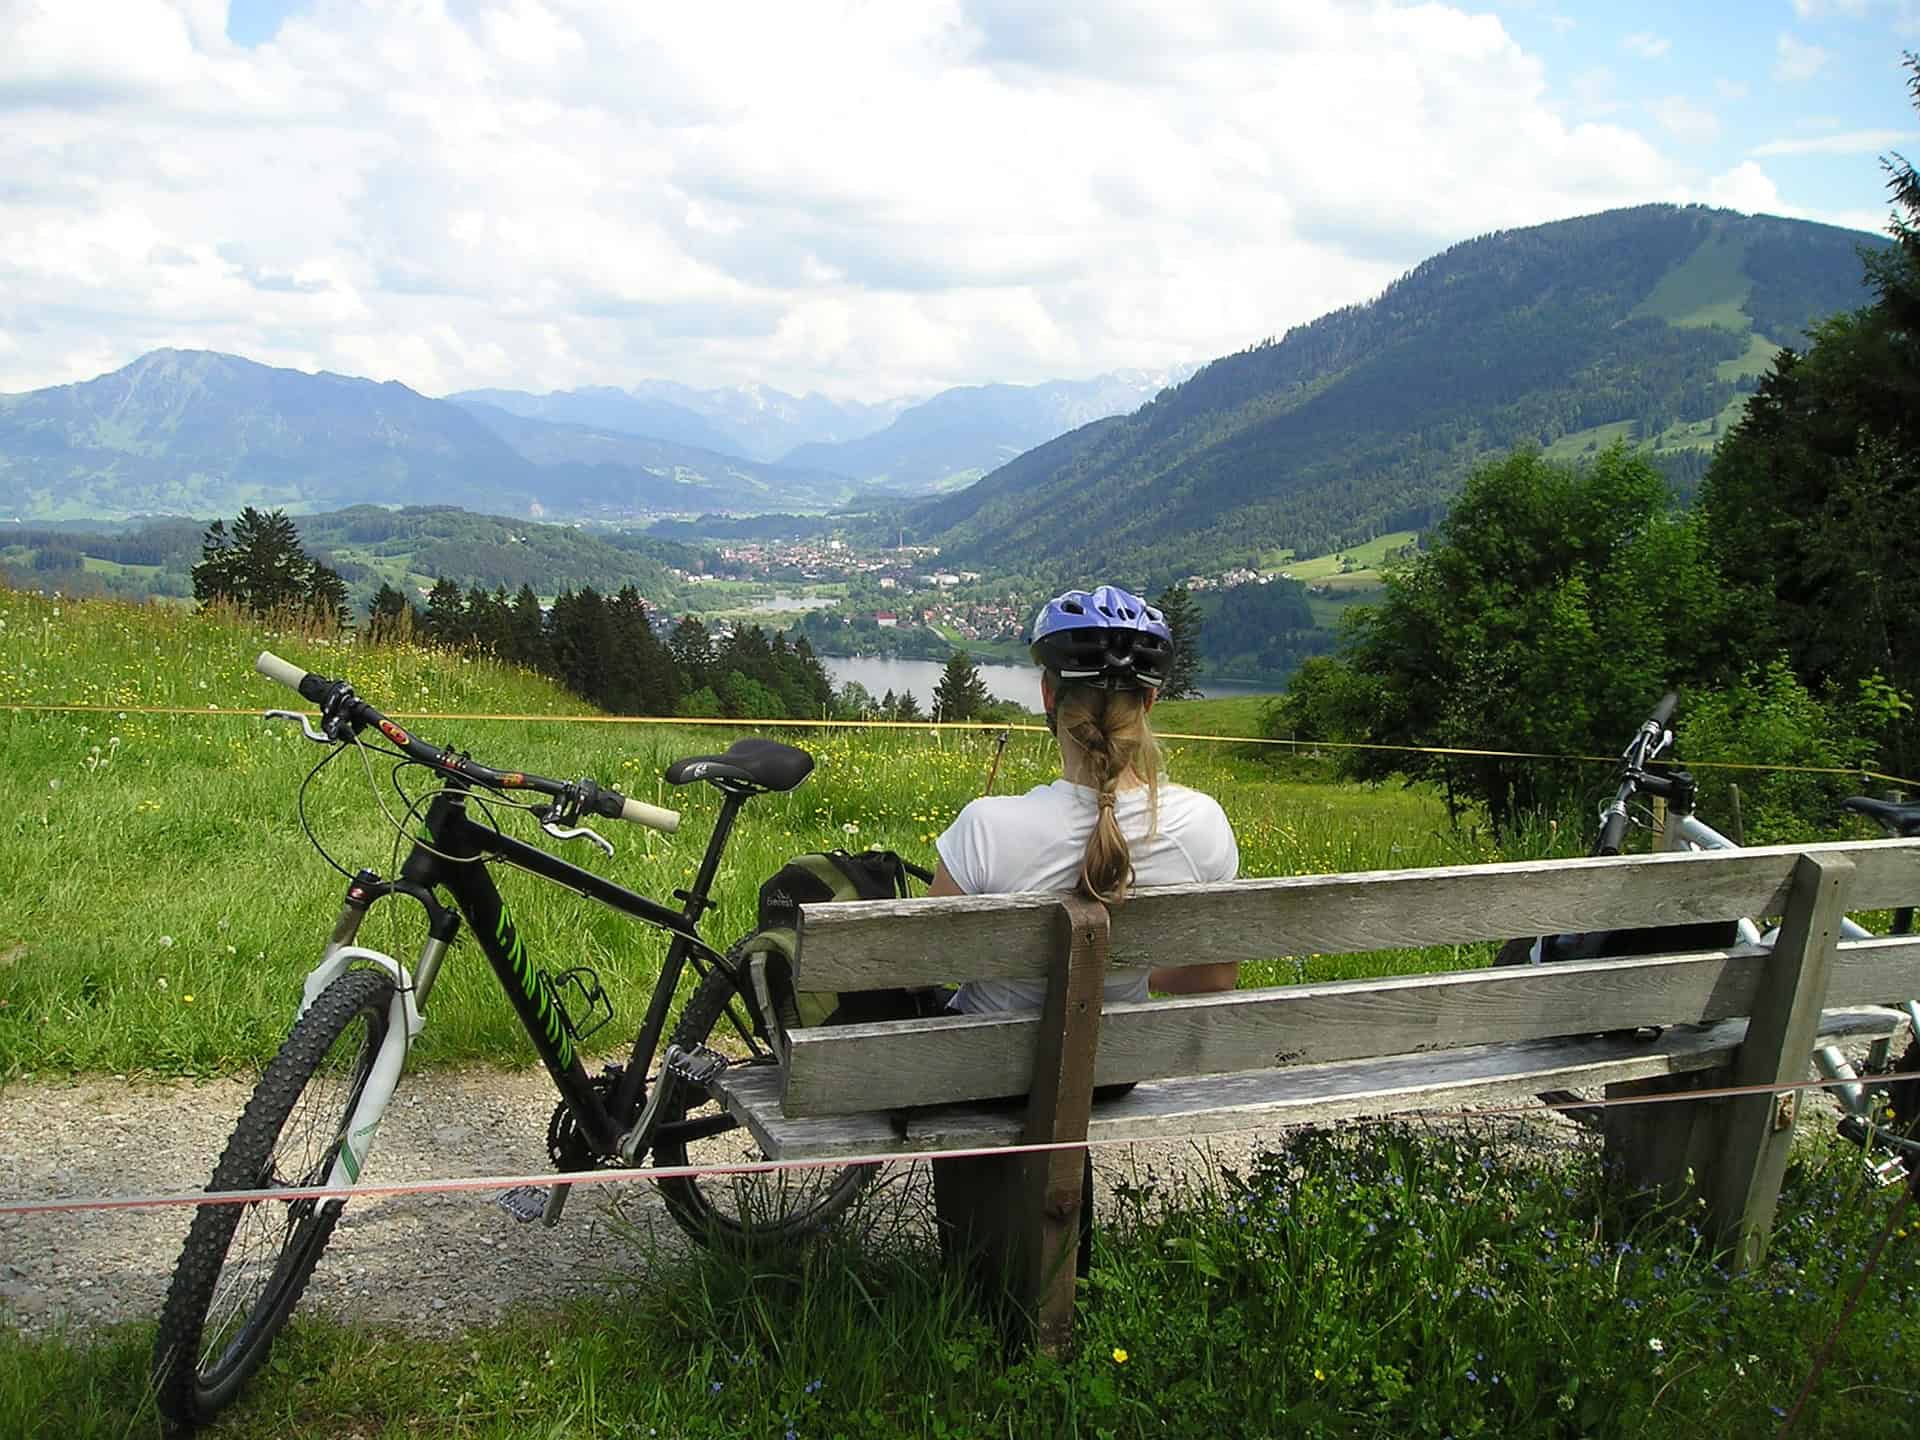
{"x":899,"y":447}
{"x":1647,"y":325}
{"x":201,"y":433}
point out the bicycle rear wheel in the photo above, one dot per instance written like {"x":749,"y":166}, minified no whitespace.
{"x":243,"y":1267}
{"x":744,"y":1213}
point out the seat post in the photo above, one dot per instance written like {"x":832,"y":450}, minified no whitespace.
{"x":696,"y":898}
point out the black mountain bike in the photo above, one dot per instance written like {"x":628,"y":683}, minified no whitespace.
{"x":312,"y":1118}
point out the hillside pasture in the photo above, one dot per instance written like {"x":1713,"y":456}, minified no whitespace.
{"x":167,"y":902}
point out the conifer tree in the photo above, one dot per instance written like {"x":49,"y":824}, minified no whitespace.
{"x":1184,"y":619}
{"x":961,"y":693}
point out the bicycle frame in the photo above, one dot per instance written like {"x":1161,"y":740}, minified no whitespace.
{"x":454,"y":856}
{"x":1686,"y":831}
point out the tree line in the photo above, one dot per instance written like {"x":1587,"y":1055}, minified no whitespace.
{"x":610,"y":649}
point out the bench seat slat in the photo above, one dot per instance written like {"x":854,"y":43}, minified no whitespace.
{"x":1291,"y":1095}
{"x":848,"y":1069}
{"x":871,"y":944}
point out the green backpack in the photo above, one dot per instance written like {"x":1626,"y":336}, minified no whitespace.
{"x":812,"y":879}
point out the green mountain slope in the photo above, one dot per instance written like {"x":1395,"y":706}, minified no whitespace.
{"x":1364,"y":421}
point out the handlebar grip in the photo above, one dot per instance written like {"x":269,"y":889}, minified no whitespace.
{"x":288,"y":674}
{"x":1613,"y":834}
{"x":654,"y":817}
{"x":1663,"y":712}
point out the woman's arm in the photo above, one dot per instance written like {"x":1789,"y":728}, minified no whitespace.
{"x":1194,"y":979}
{"x":943,"y":883}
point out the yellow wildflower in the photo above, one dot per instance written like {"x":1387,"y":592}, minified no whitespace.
{"x":1119,"y":1356}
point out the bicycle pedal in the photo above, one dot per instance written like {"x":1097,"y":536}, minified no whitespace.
{"x":697,"y":1064}
{"x":1887,"y":1171}
{"x":526,"y":1203}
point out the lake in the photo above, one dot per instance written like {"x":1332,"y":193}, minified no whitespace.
{"x":1018,"y":683}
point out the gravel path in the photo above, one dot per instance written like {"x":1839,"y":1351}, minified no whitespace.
{"x":428,"y":1263}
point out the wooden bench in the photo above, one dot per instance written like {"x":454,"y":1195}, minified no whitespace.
{"x":1323,"y":1052}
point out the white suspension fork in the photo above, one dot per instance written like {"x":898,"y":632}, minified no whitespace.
{"x":404,"y":1022}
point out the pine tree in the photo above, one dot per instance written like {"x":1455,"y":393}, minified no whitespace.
{"x":390,"y":616}
{"x":692,"y":650}
{"x":1184,"y":619}
{"x":446,"y":613}
{"x":526,"y":633}
{"x":961,"y":693}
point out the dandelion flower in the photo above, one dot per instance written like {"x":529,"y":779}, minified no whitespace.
{"x":1119,"y":1356}
{"x":1318,"y":1373}
{"x":186,"y":999}
{"x":166,"y":942}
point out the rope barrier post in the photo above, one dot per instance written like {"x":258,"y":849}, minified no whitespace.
{"x":1016,"y":1220}
{"x":1756,"y":1133}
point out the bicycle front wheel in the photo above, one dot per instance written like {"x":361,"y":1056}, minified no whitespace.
{"x":244,"y":1266}
{"x":752,"y":1212}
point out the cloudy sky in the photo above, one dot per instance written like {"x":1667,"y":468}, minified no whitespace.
{"x":865,"y":197}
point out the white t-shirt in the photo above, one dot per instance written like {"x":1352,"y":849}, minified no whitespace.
{"x":1037,"y":841}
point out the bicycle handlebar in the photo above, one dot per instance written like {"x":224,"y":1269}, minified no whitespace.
{"x":338,"y":704}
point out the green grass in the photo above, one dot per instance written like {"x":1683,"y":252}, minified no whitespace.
{"x":166,"y":904}
{"x":1378,"y":1282}
{"x":1327,"y":569}
{"x":1757,"y":360}
{"x":94,"y":566}
{"x":1576,"y":443}
{"x":1707,"y":288}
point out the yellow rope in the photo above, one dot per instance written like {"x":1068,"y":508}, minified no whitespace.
{"x":724,"y":722}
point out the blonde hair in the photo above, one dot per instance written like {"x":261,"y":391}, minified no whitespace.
{"x":1110,"y":729}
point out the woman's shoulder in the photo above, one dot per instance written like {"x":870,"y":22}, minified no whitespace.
{"x":1185,"y":800}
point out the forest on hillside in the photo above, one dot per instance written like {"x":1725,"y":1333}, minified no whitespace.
{"x":1556,"y":602}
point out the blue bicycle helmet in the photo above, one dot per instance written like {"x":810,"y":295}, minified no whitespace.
{"x":1105,"y":637}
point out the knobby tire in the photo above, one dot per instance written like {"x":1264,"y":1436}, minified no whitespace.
{"x":746,"y":1214}
{"x":279,"y":1143}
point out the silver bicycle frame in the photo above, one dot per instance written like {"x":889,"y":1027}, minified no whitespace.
{"x":1688,"y":832}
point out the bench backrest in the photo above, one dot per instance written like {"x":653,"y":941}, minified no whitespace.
{"x":874,"y":944}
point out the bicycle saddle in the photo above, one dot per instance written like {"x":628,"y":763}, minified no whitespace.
{"x":762,"y":764}
{"x":1902,"y":820}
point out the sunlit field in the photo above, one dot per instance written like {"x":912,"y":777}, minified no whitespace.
{"x":163,"y":901}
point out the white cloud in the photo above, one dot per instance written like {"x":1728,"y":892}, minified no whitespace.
{"x":1749,"y":188}
{"x":1562,"y":23}
{"x":1647,"y":45}
{"x":830,"y":194}
{"x":1852,"y":142}
{"x":1795,"y":61}
{"x":1730,"y":89}
{"x":1818,"y":9}
{"x":1684,"y":120}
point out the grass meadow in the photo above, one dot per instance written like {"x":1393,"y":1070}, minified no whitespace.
{"x":164,"y":902}
{"x":162,"y":905}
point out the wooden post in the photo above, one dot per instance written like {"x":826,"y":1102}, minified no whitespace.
{"x":1059,"y":1108}
{"x":1661,"y":1147}
{"x":1736,"y":823}
{"x":1016,"y":1220}
{"x":1756,"y":1131}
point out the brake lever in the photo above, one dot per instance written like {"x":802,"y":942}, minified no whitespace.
{"x":578,"y":832}
{"x":306,"y":725}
